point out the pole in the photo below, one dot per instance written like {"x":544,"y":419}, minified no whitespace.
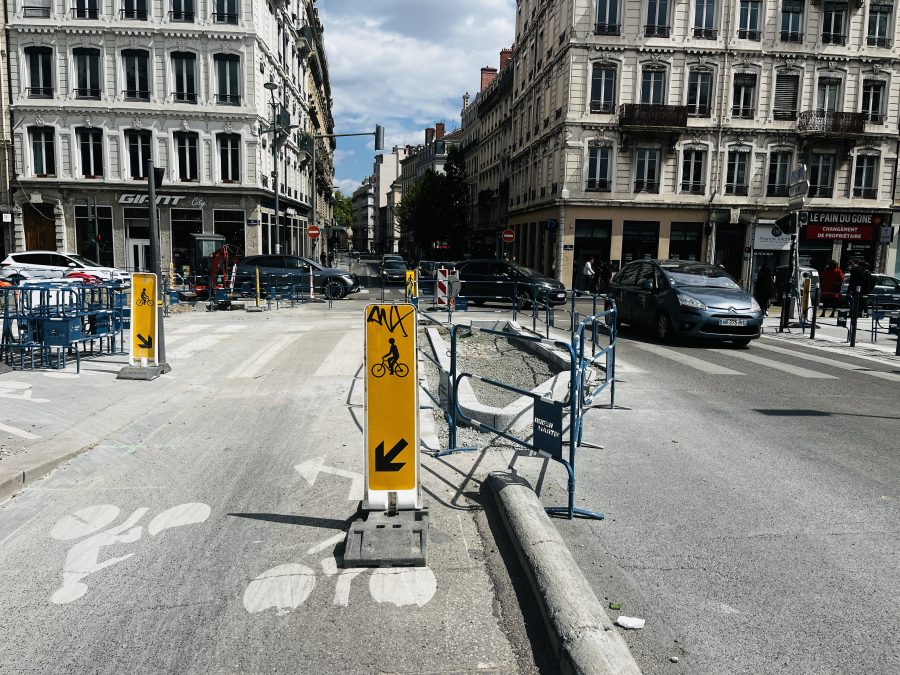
{"x":313,"y":169}
{"x":275,"y":174}
{"x":155,"y":263}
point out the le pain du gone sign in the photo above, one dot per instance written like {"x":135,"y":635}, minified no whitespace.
{"x":847,"y":225}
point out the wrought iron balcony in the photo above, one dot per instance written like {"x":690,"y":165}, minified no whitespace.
{"x":878,"y":41}
{"x":219,"y":17}
{"x":865,"y":192}
{"x":646,"y":186}
{"x":87,"y":92}
{"x":136,"y":14}
{"x":820,"y":122}
{"x":603,"y":107}
{"x":784,"y":114}
{"x":821,"y":191}
{"x":607,"y":29}
{"x":735,"y":189}
{"x":777,"y":190}
{"x":85,"y":13}
{"x":598,"y":185}
{"x":652,"y":115}
{"x":698,"y":110}
{"x":657,"y":31}
{"x":791,"y":36}
{"x":693,"y":188}
{"x":744,"y":34}
{"x":833,"y":39}
{"x":705,"y":33}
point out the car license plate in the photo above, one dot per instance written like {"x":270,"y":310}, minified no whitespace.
{"x":732,"y":322}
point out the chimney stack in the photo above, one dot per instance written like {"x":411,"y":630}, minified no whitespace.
{"x":505,"y":56}
{"x":465,"y":100}
{"x":487,"y":76}
{"x":429,"y":135}
{"x":438,"y":130}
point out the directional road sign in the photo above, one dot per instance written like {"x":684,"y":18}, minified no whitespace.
{"x":392,"y":406}
{"x":144,"y":346}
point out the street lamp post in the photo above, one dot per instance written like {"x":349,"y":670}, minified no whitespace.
{"x":272,"y":87}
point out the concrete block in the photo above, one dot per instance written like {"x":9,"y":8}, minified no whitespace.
{"x":382,"y":539}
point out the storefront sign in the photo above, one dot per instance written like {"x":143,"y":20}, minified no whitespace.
{"x":845,"y":218}
{"x":766,"y":239}
{"x":162,"y":200}
{"x":845,"y":232}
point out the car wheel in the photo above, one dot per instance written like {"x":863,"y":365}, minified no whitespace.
{"x":663,"y":326}
{"x":741,"y":342}
{"x":335,"y":290}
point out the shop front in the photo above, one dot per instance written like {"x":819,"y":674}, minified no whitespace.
{"x":846,"y":236}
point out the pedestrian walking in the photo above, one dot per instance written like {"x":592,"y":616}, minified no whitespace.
{"x":331,"y":259}
{"x":323,"y":258}
{"x":763,"y":288}
{"x":587,"y":274}
{"x":832,"y":280}
{"x":604,"y":276}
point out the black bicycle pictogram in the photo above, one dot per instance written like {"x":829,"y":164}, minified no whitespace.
{"x":390,"y":363}
{"x":145,"y":300}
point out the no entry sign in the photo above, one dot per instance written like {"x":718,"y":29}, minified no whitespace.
{"x":509,"y":236}
{"x":313,"y":232}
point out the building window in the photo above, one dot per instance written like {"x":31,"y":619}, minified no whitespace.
{"x":787,"y":88}
{"x":657,"y":19}
{"x":184,"y":223}
{"x":864,"y":177}
{"x":743,"y":102}
{"x":87,"y":73}
{"x":135,"y":10}
{"x":779,"y":173}
{"x":228,"y":73}
{"x":186,"y":148}
{"x":792,"y":21}
{"x":693,"y":171}
{"x":90,"y":144}
{"x":880,"y":26}
{"x":94,"y":233}
{"x":184,"y":66}
{"x":138,"y":143}
{"x":86,"y":9}
{"x":40,"y":72}
{"x":599,"y":168}
{"x":229,"y":157}
{"x":828,"y":94}
{"x":821,"y":174}
{"x":748,"y":21}
{"x":226,"y":11}
{"x":43,"y":151}
{"x":607,"y":18}
{"x":833,"y":23}
{"x":737,"y":176}
{"x":182,"y":11}
{"x":36,"y":9}
{"x":136,"y":63}
{"x":653,"y":86}
{"x":872,"y":97}
{"x":705,"y":19}
{"x":699,"y":97}
{"x":603,"y":88}
{"x":646,"y":175}
{"x":230,"y":224}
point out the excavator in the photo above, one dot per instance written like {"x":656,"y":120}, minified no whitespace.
{"x":213,"y":265}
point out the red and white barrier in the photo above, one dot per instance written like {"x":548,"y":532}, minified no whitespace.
{"x":441,"y":286}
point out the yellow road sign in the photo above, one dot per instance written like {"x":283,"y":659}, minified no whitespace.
{"x":411,"y":290}
{"x":143,"y":318}
{"x":392,"y":406}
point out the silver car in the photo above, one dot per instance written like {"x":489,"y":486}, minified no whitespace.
{"x":17,"y":267}
{"x":687,"y":298}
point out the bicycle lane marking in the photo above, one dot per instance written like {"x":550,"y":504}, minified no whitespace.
{"x":254,"y":366}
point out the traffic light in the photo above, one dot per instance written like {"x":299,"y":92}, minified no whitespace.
{"x":379,"y":137}
{"x":158,"y":175}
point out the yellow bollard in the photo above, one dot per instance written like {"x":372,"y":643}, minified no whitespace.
{"x":257,"y":287}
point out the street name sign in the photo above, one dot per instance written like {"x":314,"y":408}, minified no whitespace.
{"x":548,"y":427}
{"x":144,"y":346}
{"x":392,"y":408}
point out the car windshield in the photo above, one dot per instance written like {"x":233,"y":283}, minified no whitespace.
{"x":697,"y":274}
{"x":395,"y":264}
{"x":81,"y":260}
{"x":527,"y":272}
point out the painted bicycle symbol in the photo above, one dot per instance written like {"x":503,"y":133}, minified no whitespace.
{"x":145,"y":300}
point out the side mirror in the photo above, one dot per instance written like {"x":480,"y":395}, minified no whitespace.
{"x":646,"y":285}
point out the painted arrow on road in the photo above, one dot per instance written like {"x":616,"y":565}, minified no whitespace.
{"x":145,"y":342}
{"x":311,"y":469}
{"x":385,"y":462}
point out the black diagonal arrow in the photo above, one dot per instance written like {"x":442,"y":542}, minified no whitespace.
{"x":145,"y":342}
{"x":385,"y":462}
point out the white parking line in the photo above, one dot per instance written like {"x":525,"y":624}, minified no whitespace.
{"x":17,"y":432}
{"x":893,"y":377}
{"x":253,"y":367}
{"x":194,"y":346}
{"x":779,"y":365}
{"x":684,"y":359}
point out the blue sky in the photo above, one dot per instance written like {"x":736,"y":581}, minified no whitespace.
{"x":405,"y":64}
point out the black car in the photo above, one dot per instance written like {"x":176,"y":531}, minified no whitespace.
{"x":885,"y":291}
{"x":279,"y":269}
{"x":500,"y":279}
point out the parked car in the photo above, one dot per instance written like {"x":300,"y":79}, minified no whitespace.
{"x":886,"y":291}
{"x":393,"y":271}
{"x":685,"y":297}
{"x":489,"y":277}
{"x":394,"y":257}
{"x":17,"y":267}
{"x":334,"y":282}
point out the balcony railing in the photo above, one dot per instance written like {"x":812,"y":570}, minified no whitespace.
{"x":33,"y":12}
{"x":874,"y":118}
{"x":602,"y":107}
{"x":646,"y":186}
{"x":181,"y":17}
{"x":745,"y":34}
{"x":87,"y":92}
{"x":865,"y":192}
{"x":652,"y":115}
{"x":185,"y":96}
{"x":699,"y":110}
{"x":693,"y":188}
{"x":791,"y":36}
{"x":40,"y":92}
{"x":134,"y":14}
{"x":228,"y":99}
{"x":743,"y":112}
{"x":657,"y":31}
{"x":598,"y":185}
{"x":833,"y":39}
{"x":734,"y":189}
{"x":607,"y":29}
{"x":777,"y":190}
{"x":85,"y":13}
{"x":219,"y":17}
{"x":136,"y":95}
{"x":878,"y":42}
{"x":822,"y":191}
{"x":705,"y":33}
{"x":784,"y":114}
{"x":816,"y":121}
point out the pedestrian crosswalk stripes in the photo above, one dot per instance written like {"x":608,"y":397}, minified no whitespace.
{"x":779,"y":365}
{"x":833,"y":363}
{"x":255,"y":365}
{"x":684,"y":359}
{"x":194,"y":346}
{"x":345,"y":357}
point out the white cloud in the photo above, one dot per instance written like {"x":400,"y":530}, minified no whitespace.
{"x":346,"y":185}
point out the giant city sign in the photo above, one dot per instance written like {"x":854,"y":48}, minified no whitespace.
{"x":162,"y":200}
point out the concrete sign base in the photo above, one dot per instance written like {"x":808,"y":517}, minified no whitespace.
{"x":385,"y":539}
{"x":139,"y":373}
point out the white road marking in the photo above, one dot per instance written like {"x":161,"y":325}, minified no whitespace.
{"x":255,"y":366}
{"x":403,"y":585}
{"x":193,"y":328}
{"x":621,"y":367}
{"x":345,"y":357}
{"x":19,"y":391}
{"x":84,"y":522}
{"x":183,"y":514}
{"x":284,"y":587}
{"x":778,"y":365}
{"x":194,"y":346}
{"x":17,"y":432}
{"x":62,"y":376}
{"x":331,"y":541}
{"x":684,"y":359}
{"x":893,"y":377}
{"x":232,"y":328}
{"x":311,"y":469}
{"x":342,"y":586}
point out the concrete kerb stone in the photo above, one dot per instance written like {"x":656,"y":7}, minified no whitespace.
{"x":582,"y":634}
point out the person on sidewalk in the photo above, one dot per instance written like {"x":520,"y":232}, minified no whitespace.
{"x":763,"y":288}
{"x":832,"y":281}
{"x":588,"y":274}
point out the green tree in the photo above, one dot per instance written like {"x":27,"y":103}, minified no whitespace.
{"x":342,"y":209}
